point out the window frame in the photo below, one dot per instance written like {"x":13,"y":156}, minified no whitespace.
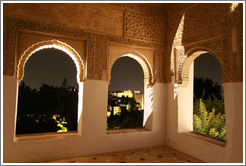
{"x":72,"y":53}
{"x":185,"y":91}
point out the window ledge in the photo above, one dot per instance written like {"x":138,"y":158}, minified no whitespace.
{"x":205,"y":138}
{"x":119,"y":131}
{"x":45,"y":136}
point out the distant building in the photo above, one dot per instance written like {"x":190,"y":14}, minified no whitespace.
{"x":138,"y":96}
{"x":125,"y":93}
{"x":117,"y":110}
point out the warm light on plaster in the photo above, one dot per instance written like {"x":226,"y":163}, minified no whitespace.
{"x":80,"y":101}
{"x":234,"y":6}
{"x":175,"y":90}
{"x":148,"y":104}
{"x":177,"y":49}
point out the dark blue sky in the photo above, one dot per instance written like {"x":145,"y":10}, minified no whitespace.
{"x":206,"y":66}
{"x":126,"y":74}
{"x":51,"y":66}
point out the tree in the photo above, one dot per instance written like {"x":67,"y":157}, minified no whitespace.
{"x":36,"y":108}
{"x":64,"y":83}
{"x":205,"y":88}
{"x":132,"y":118}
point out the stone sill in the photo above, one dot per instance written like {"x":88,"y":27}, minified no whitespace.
{"x":45,"y":136}
{"x":206,"y":138}
{"x":120,"y":131}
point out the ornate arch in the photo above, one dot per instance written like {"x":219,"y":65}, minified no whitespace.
{"x":147,"y":69}
{"x":191,"y":55}
{"x":51,"y":44}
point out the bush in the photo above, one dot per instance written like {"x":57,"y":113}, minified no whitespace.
{"x":209,"y":118}
{"x":128,"y":119}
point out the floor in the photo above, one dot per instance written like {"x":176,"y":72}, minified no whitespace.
{"x":162,"y":154}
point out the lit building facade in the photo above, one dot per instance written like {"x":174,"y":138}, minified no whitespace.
{"x":137,"y":95}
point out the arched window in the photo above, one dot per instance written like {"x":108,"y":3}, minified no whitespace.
{"x":208,"y":102}
{"x":126,"y":95}
{"x":201,"y":101}
{"x":48,"y":94}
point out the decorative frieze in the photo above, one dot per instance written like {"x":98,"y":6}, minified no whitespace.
{"x":9,"y":48}
{"x":157,"y":66}
{"x":144,"y":27}
{"x":97,"y":45}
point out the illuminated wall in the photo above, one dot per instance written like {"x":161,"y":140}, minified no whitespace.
{"x":125,"y":93}
{"x":139,"y":97}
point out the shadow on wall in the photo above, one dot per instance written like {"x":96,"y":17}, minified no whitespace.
{"x":148,"y":108}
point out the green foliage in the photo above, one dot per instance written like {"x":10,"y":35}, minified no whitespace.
{"x":129,"y":119}
{"x":209,"y":118}
{"x":210,"y":104}
{"x":60,"y":123}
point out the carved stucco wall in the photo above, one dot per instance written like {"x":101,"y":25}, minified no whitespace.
{"x":143,"y":26}
{"x":98,"y":17}
{"x":218,"y":31}
{"x":94,"y":17}
{"x":97,"y":42}
{"x":214,"y":28}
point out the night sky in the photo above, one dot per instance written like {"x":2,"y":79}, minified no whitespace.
{"x":206,"y":66}
{"x":126,"y":74}
{"x":51,"y":66}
